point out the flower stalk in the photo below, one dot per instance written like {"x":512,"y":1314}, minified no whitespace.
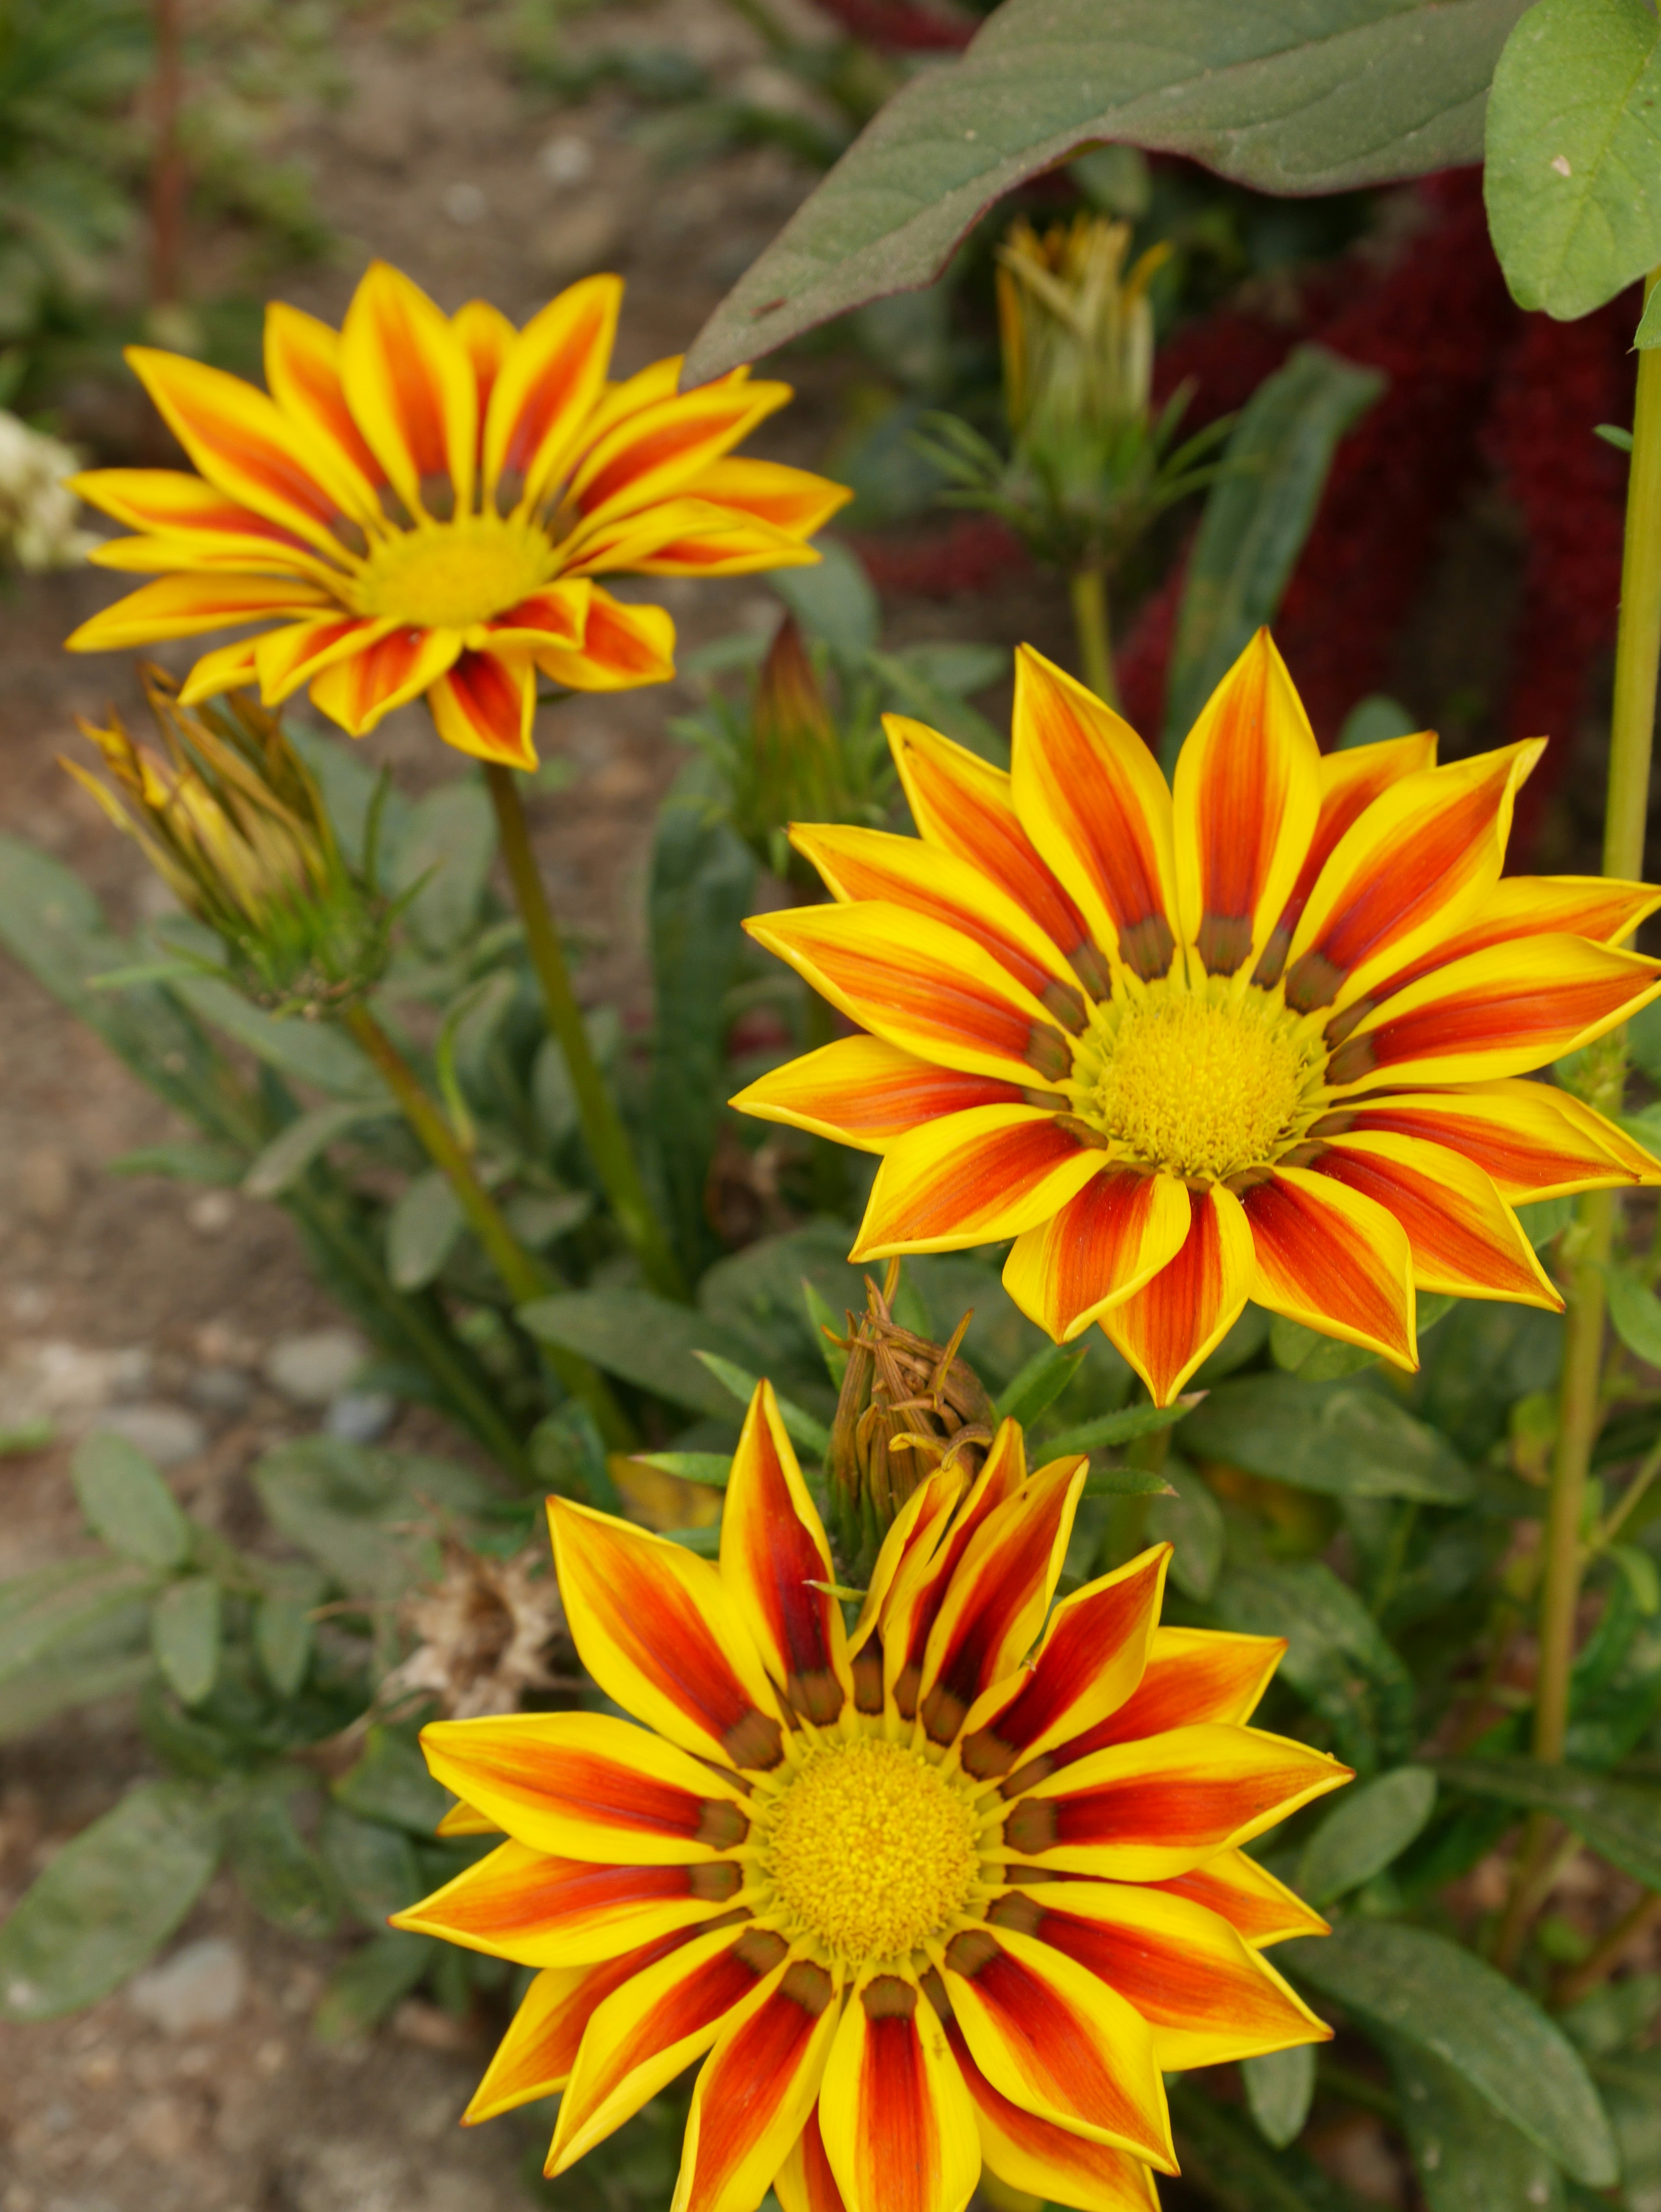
{"x":1088,"y":589}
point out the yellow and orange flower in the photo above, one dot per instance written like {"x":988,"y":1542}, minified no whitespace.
{"x":955,"y":1887}
{"x":1256,"y":1036}
{"x":422,"y":503}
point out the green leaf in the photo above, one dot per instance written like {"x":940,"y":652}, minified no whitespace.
{"x":1439,"y":1998}
{"x":372,"y":1867}
{"x":450,"y":838}
{"x":279,"y":1874}
{"x":799,"y":1426}
{"x":390,"y":1783}
{"x":1370,"y":1825}
{"x":1226,"y":2158}
{"x":819,"y":1314}
{"x":1572,"y":178}
{"x":185,"y":1636}
{"x":66,"y":1603}
{"x":1257,"y":516}
{"x":1546,"y":1218}
{"x":305,"y":1051}
{"x":1318,"y":1359}
{"x":1342,"y":1438}
{"x":647,"y":1341}
{"x":1373,"y":720}
{"x":350,"y":1508}
{"x":185,"y":1161}
{"x":1039,"y":1383}
{"x":107,"y":1900}
{"x":568,"y":1453}
{"x":1631,"y":2087}
{"x":422,"y":1229}
{"x":37,"y":1694}
{"x":363,"y":1989}
{"x":1124,"y":1482}
{"x":1621,"y":1820}
{"x":128,"y":1505}
{"x":907,"y":691}
{"x":1279,"y":2088}
{"x":1108,"y":1431}
{"x":714,"y":1468}
{"x":1635,"y":1311}
{"x":283,"y":1635}
{"x":1191,"y":1520}
{"x":1319,"y":100}
{"x":1467,"y":2158}
{"x":292,"y":1150}
{"x":834,"y":600}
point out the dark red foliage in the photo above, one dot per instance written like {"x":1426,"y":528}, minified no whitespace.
{"x":902,"y":26}
{"x":970,"y":554}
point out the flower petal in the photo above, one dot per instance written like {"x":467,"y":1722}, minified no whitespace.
{"x":963,"y":805}
{"x":521,"y":1904}
{"x":1205,"y":1994}
{"x":805,"y":2182}
{"x":864,"y":1091}
{"x":360,"y":691}
{"x":683,"y":537}
{"x":1167,"y":1328}
{"x":897,"y":2126}
{"x":923,"y":1574}
{"x":587,"y":1785}
{"x":1246,"y":800}
{"x":1465,"y":1239}
{"x":1043,"y":2161}
{"x":412,"y":391}
{"x":1044,"y":2031}
{"x":1533,"y":1140}
{"x":1259,"y":1908}
{"x":903,"y":1563}
{"x":1117,"y":1234}
{"x":754,"y":2094}
{"x":776,"y":1563}
{"x":286,"y":659}
{"x":484,"y":706}
{"x":1091,"y":797}
{"x":556,"y":616}
{"x":660,"y":1632}
{"x":923,"y":986}
{"x":1000,"y":1591}
{"x":184,"y":606}
{"x":662,"y":448}
{"x":1145,"y":1811}
{"x":1497,"y":1012}
{"x":791,"y":500}
{"x":544,"y":394}
{"x":1091,"y":1656}
{"x":535,"y":2058}
{"x":971,"y":1177}
{"x":1423,"y":856}
{"x":653,"y":2026}
{"x":1192,"y":1675}
{"x":1341,"y":1264}
{"x":302,"y":372}
{"x":190,"y":514}
{"x":222,"y":669}
{"x":623,"y":646}
{"x":1597,"y":907}
{"x":487,"y":337}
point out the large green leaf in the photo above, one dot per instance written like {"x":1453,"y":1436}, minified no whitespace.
{"x":279,"y":1874}
{"x":374,"y":1867}
{"x":1302,"y":96}
{"x":390,"y":1783}
{"x":1257,"y":516}
{"x":66,"y":1603}
{"x":1280,"y":2086}
{"x":450,"y":840}
{"x":1236,"y":2170}
{"x":647,"y":1340}
{"x":185,"y":1636}
{"x":127,"y":1504}
{"x":1440,"y":1998}
{"x":1574,"y":173}
{"x":107,"y":1900}
{"x":1467,"y":2158}
{"x":1341,"y":1438}
{"x":1369,"y":1827}
{"x":1622,"y":1821}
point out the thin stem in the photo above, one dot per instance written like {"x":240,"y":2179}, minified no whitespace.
{"x":1633,"y":1924}
{"x":168,"y":179}
{"x":521,"y":1275}
{"x":602,"y":1125}
{"x":1088,"y":589}
{"x":1546,"y":1849}
{"x":1616,"y":1520}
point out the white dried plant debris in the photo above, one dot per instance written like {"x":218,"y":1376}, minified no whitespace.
{"x":485,"y":1632}
{"x":39,"y":512}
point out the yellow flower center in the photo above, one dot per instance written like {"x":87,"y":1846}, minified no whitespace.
{"x":1203,"y":1087}
{"x":452,"y":575}
{"x":870,"y":1848}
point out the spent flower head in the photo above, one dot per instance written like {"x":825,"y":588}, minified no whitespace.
{"x":39,"y":512}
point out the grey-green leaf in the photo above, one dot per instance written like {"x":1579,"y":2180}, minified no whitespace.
{"x":1192,"y":1520}
{"x":1572,"y":178}
{"x":1107,"y":1431}
{"x":1039,"y":1383}
{"x":391,"y":1783}
{"x":365,"y":1987}
{"x":422,"y":1229}
{"x":292,"y":1150}
{"x":1442,"y":1999}
{"x":1621,"y":1820}
{"x":1467,"y":2158}
{"x":647,"y":1341}
{"x":834,"y":600}
{"x":282,"y":1629}
{"x":279,"y":1874}
{"x":1341,"y":1438}
{"x":68,"y":1602}
{"x":450,"y":838}
{"x":1279,"y":2088}
{"x":372,"y":1867}
{"x":1635,"y":1311}
{"x":1372,"y":1824}
{"x":128,"y":1505}
{"x":108,"y":1899}
{"x":184,"y":1635}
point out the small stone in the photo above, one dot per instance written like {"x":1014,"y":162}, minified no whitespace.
{"x":72,"y":1378}
{"x":465,"y":203}
{"x":361,"y":1417}
{"x":219,"y":1345}
{"x":567,"y":159}
{"x":220,"y":1389}
{"x":45,"y":1183}
{"x":202,"y":1985}
{"x":211,"y":1212}
{"x":579,"y":241}
{"x":167,"y":1434}
{"x":316,"y":1368}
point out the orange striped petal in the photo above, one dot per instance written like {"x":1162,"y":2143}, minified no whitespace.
{"x":1167,"y":1328}
{"x":660,"y":450}
{"x":623,"y":646}
{"x":1145,"y":1811}
{"x":190,"y":515}
{"x":923,"y":986}
{"x":302,"y":372}
{"x":693,"y":539}
{"x":998,"y":1596}
{"x":1044,"y":2161}
{"x":805,"y":2182}
{"x":1259,"y":1908}
{"x":923,"y":1575}
{"x":286,"y":659}
{"x":650,"y":2028}
{"x":244,"y":556}
{"x":535,"y":2058}
{"x":1044,"y":2031}
{"x":897,"y":2127}
{"x":1091,"y":1657}
{"x":222,"y":669}
{"x":587,"y":1785}
{"x":1533,"y":1140}
{"x":184,"y":606}
{"x":1091,"y":797}
{"x":487,"y":337}
{"x":1337,"y":1263}
{"x":1498,"y":1012}
{"x":1205,"y":1994}
{"x":1192,"y":1675}
{"x":1424,"y":856}
{"x":484,"y":706}
{"x":963,"y":804}
{"x":790,"y":500}
{"x":557,"y":615}
{"x":1465,"y":1239}
{"x":660,"y":1632}
{"x":1597,"y":907}
{"x":991,"y":1172}
{"x":774,"y":1561}
{"x":864,"y":1091}
{"x":465,"y":1820}
{"x":1246,"y":800}
{"x":902,"y":1562}
{"x":873,"y":864}
{"x":521,"y":1904}
{"x":412,"y":392}
{"x":545,"y":393}
{"x":1103,"y":1246}
{"x":1350,"y":782}
{"x":362,"y":691}
{"x":752,"y":2098}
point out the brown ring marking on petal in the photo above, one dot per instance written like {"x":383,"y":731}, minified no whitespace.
{"x":1314,"y":981}
{"x":1272,"y":960}
{"x":394,"y":508}
{"x":1352,"y":1061}
{"x":1067,"y":1004}
{"x":935,"y":1990}
{"x":867,"y":1677}
{"x":906,"y":1685}
{"x":1020,"y":1913}
{"x":715,"y":1881}
{"x":1091,"y":970}
{"x":1056,"y":1101}
{"x":1147,"y":947}
{"x":723,"y":1825}
{"x":1344,"y":1024}
{"x":1028,"y":1777}
{"x":970,"y":1951}
{"x":818,"y":1697}
{"x":943,"y":1713}
{"x":1047,"y":1052}
{"x":1332,"y":1125}
{"x":1032,"y":1827}
{"x":808,"y":1985}
{"x":438,"y":495}
{"x":887,"y":1998}
{"x":1082,"y":1133}
{"x":761,"y":1950}
{"x":1223,"y":942}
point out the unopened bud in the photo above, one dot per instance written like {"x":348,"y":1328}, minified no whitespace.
{"x":1077,"y":330}
{"x":795,"y":757}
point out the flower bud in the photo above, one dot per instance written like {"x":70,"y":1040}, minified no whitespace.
{"x":1077,"y":333}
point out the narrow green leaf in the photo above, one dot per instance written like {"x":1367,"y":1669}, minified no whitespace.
{"x":1039,"y":1383}
{"x":282,"y":1629}
{"x":292,"y":1150}
{"x":713,"y":1468}
{"x":834,"y":600}
{"x":649,"y":1341}
{"x":1191,"y":1519}
{"x":1467,"y":2157}
{"x":277,"y":1871}
{"x":829,"y":1330}
{"x":185,"y":1636}
{"x":1225,"y":2157}
{"x":422,"y":1229}
{"x":801,"y":1427}
{"x":450,"y":839}
{"x":390,"y":1783}
{"x":372,"y":1867}
{"x":1635,"y":1311}
{"x":1372,"y":1824}
{"x":64,"y":1603}
{"x":326,"y":1059}
{"x":364,"y":1988}
{"x":127,"y":1504}
{"x":1108,"y":1431}
{"x":1279,"y":2088}
{"x":1343,"y":1438}
{"x":1621,"y":1820}
{"x":1124,"y":1482}
{"x":185,"y":1161}
{"x":1648,"y":335}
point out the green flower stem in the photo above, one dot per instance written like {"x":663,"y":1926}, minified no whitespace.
{"x":1088,"y":588}
{"x":602,"y":1125}
{"x":520,"y":1273}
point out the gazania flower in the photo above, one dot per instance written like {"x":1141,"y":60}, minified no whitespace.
{"x":954,"y":1887}
{"x":420,"y":505}
{"x":1257,"y":1037}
